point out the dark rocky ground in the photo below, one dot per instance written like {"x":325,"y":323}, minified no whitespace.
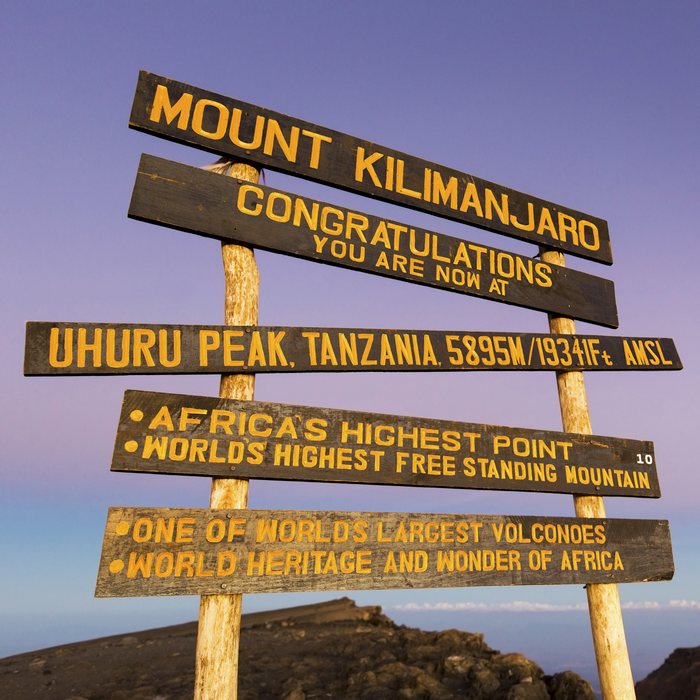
{"x":678,"y":678}
{"x":329,"y":650}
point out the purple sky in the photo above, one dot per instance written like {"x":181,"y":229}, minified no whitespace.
{"x":590,"y":105}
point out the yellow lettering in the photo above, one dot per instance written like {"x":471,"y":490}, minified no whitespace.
{"x":316,"y":141}
{"x":471,"y":200}
{"x":400,"y":182}
{"x":208,"y":340}
{"x":241,"y":203}
{"x":366,"y":164}
{"x":67,"y":347}
{"x":273,"y":134}
{"x":444,"y":194}
{"x":198,"y":119}
{"x":235,"y":130}
{"x":162,"y":419}
{"x":547,"y":224}
{"x":162,"y":105}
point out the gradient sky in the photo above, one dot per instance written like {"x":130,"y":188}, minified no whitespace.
{"x":592,"y":105}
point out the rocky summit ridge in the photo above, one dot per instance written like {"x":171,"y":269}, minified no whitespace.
{"x":334,"y":649}
{"x":678,"y":678}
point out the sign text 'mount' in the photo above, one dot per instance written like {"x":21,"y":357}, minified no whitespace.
{"x":209,"y":204}
{"x":72,"y":348}
{"x":198,"y":551}
{"x":230,"y":127}
{"x":208,"y":436}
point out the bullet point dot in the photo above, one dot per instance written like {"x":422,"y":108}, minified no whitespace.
{"x":131,"y":446}
{"x":122,"y":528}
{"x":116,"y":566}
{"x":136,"y":415}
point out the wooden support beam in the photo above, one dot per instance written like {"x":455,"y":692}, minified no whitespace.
{"x":604,"y":609}
{"x":218,"y":638}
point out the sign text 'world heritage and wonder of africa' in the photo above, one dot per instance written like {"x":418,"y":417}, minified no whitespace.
{"x":200,"y":551}
{"x":229,"y":127}
{"x":72,"y":348}
{"x":216,"y":437}
{"x":209,"y":204}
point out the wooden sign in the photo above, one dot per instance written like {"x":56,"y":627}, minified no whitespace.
{"x":201,"y":551}
{"x":208,"y":436}
{"x":229,"y":127}
{"x":72,"y":348}
{"x":208,"y":204}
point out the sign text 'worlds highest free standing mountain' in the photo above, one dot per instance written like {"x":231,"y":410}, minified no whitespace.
{"x":226,"y":550}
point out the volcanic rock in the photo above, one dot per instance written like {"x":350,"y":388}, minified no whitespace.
{"x":329,"y":650}
{"x":678,"y":678}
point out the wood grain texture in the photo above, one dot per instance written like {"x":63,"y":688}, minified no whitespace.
{"x":72,"y":348}
{"x":206,"y":436}
{"x":189,"y":199}
{"x":229,"y":127}
{"x":185,"y":551}
{"x":605,"y":612}
{"x":219,"y":630}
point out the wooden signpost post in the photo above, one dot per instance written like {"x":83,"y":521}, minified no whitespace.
{"x":219,"y":629}
{"x":605,"y":612}
{"x":226,"y":550}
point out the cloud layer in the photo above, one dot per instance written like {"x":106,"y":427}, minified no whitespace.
{"x":519,"y":606}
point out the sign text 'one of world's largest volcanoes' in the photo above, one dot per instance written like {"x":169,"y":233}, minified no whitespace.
{"x":198,"y":551}
{"x":227,"y":126}
{"x":208,"y":436}
{"x":209,"y":204}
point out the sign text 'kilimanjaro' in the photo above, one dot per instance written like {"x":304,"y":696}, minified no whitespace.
{"x":227,"y":126}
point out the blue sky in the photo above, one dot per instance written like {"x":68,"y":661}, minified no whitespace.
{"x":593,"y":105}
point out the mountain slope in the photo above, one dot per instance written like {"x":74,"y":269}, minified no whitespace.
{"x":330,"y":650}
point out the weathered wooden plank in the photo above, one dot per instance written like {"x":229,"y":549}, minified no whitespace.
{"x":208,"y":436}
{"x":604,"y":607}
{"x":227,"y":126}
{"x":201,"y":551}
{"x":72,"y":348}
{"x":205,"y":203}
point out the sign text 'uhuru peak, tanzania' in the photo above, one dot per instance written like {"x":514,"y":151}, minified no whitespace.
{"x":208,"y":436}
{"x":209,"y":204}
{"x":199,"y":551}
{"x":72,"y":348}
{"x":230,"y":127}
